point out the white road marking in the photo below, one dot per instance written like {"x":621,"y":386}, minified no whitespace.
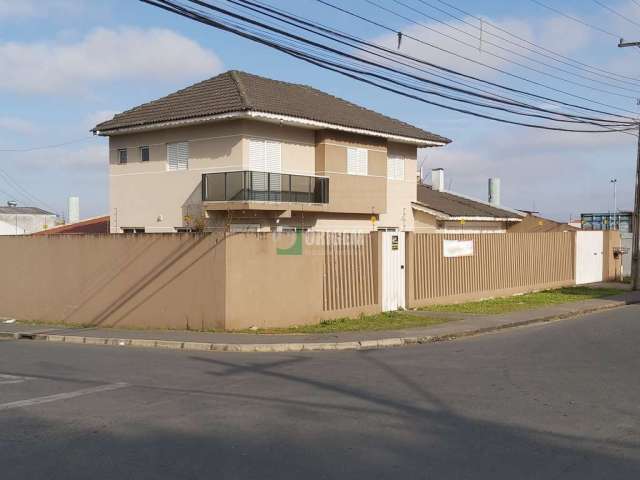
{"x":9,"y":379}
{"x":61,"y":396}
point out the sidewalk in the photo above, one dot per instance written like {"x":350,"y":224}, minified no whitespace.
{"x":461,"y":325}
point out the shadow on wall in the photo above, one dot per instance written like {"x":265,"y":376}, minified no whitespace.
{"x":163,"y":274}
{"x":278,"y":423}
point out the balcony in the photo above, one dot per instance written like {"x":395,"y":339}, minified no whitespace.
{"x":251,"y":186}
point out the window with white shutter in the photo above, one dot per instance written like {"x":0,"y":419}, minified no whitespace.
{"x":395,"y":168}
{"x":178,"y":156}
{"x":357,"y":161}
{"x":265,"y":156}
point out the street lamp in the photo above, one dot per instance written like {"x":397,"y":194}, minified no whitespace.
{"x":614,"y":181}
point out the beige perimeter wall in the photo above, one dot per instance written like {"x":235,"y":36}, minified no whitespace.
{"x":162,"y":281}
{"x":502,"y":264}
{"x":207,"y":281}
{"x":188,"y":281}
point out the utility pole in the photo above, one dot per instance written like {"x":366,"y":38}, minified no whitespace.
{"x":614,"y":182}
{"x":635,"y":254}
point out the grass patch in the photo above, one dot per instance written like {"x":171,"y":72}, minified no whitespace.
{"x":380,"y":321}
{"x":527,"y":301}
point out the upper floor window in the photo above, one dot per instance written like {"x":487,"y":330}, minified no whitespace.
{"x":122,"y":156}
{"x":144,"y":153}
{"x":395,"y":168}
{"x":357,"y":161}
{"x":178,"y":156}
{"x":265,"y":155}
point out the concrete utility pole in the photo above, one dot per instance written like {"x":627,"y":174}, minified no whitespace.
{"x":614,"y":182}
{"x":635,"y":254}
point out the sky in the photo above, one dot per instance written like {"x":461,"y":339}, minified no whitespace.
{"x":66,"y":65}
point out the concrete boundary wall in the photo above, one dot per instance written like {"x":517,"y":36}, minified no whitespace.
{"x":236,"y":281}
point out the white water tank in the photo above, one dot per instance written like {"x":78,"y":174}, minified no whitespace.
{"x":73,"y":213}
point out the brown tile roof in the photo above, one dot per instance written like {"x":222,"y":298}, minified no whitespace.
{"x":457,"y":206}
{"x":90,"y":225}
{"x":236,"y":91}
{"x":536,"y":224}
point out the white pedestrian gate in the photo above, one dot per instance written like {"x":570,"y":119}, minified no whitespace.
{"x":393,"y":271}
{"x":589,"y":257}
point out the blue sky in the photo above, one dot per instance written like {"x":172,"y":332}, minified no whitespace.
{"x":67,"y":64}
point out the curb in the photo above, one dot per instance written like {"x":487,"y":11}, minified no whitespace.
{"x":298,"y":347}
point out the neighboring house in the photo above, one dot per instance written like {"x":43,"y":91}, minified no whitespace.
{"x":89,"y":225}
{"x":440,"y":211}
{"x":244,"y":152}
{"x":533,"y":223}
{"x":16,"y":220}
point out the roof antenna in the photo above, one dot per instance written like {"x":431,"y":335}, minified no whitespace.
{"x":399,"y":39}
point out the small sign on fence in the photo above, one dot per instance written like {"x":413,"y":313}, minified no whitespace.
{"x":394,"y":242}
{"x":458,"y":248}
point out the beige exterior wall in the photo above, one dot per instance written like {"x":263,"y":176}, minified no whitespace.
{"x":146,"y":194}
{"x":400,"y":193}
{"x":424,"y":223}
{"x":352,"y":193}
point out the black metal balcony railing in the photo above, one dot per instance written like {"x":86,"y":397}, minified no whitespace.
{"x":264,"y":186}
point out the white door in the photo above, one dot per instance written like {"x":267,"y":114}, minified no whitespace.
{"x":393,"y":271}
{"x":589,"y":257}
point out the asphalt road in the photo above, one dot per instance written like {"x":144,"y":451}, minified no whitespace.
{"x":552,"y":401}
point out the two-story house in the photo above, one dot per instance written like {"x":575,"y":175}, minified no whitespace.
{"x":243,"y":152}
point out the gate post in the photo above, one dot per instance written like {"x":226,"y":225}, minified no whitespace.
{"x":409,"y":265}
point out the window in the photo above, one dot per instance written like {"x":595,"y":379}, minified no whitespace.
{"x":357,"y":161}
{"x":122,"y":156}
{"x":144,"y":154}
{"x":265,"y":155}
{"x":395,"y":168}
{"x":133,"y":230}
{"x":244,"y":227}
{"x":178,"y":156}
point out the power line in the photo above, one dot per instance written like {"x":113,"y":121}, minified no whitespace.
{"x":615,"y":12}
{"x":503,"y":58}
{"x":344,"y":69}
{"x":575,"y":19}
{"x":538,"y":49}
{"x":43,"y":147}
{"x":315,"y":26}
{"x":519,"y":77}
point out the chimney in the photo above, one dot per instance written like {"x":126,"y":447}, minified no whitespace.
{"x":73,"y":213}
{"x":494,"y":191}
{"x":437,"y":179}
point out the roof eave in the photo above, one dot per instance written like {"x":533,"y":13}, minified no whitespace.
{"x":272,"y":118}
{"x":456,"y":218}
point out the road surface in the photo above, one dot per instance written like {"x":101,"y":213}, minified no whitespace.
{"x":560,"y":400}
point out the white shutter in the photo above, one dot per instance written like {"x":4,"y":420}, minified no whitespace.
{"x":178,"y":156}
{"x":363,"y":161}
{"x":256,"y":155}
{"x":183,"y":155}
{"x":273,"y":163}
{"x":357,"y":161}
{"x":395,"y":168}
{"x":352,"y":161}
{"x":257,"y":164}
